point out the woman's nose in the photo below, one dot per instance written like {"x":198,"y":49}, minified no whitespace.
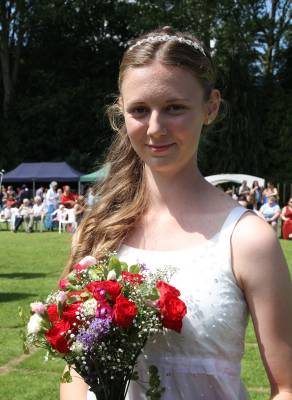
{"x":155,"y":124}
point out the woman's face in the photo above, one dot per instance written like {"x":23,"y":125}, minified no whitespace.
{"x":164,"y":113}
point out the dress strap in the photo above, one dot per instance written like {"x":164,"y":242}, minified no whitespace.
{"x":229,"y":225}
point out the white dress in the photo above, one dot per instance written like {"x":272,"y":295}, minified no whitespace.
{"x":203,"y":361}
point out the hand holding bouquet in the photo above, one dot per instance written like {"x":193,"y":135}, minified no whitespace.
{"x":100,"y":319}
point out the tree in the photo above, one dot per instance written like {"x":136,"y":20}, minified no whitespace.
{"x":13,"y":15}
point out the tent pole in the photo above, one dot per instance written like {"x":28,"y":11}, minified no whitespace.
{"x":79,"y":187}
{"x":33,"y":188}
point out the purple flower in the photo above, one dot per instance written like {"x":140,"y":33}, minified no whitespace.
{"x":96,"y":330}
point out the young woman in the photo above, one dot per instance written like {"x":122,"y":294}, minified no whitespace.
{"x":155,"y":207}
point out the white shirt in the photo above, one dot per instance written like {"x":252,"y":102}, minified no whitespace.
{"x":51,"y":197}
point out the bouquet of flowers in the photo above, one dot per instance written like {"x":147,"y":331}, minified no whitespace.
{"x":100,"y":319}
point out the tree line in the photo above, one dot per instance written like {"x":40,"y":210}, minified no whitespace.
{"x":59,"y":62}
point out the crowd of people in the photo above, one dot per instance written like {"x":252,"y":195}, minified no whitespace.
{"x":265,"y":202}
{"x":52,"y":204}
{"x":47,"y":208}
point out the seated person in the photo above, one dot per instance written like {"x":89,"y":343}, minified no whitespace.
{"x":9,"y":200}
{"x":60,"y":214}
{"x":5,"y":215}
{"x":68,"y":198}
{"x":271,"y":212}
{"x":38,"y":210}
{"x":25,"y":215}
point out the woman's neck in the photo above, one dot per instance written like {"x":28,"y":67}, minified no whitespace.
{"x":168,"y":191}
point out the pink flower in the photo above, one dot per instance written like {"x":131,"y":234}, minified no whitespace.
{"x":61,"y":297}
{"x":63,"y":283}
{"x":88,"y":261}
{"x":38,"y":308}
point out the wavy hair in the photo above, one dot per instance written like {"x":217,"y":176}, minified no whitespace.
{"x":123,"y":196}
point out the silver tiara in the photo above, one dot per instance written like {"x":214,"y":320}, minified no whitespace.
{"x":165,"y":38}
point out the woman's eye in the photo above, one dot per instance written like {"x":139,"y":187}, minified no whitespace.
{"x":175,"y":108}
{"x":138,"y":111}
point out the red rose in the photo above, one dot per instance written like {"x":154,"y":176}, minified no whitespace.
{"x":172,"y":311}
{"x":164,"y":288}
{"x":112,"y":288}
{"x":133,"y":278}
{"x":69,"y":313}
{"x":56,"y":336}
{"x":52,"y":311}
{"x":124,"y":312}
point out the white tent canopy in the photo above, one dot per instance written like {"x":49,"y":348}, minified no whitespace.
{"x":235,"y":178}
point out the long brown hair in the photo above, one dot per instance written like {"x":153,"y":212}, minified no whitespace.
{"x":123,"y":196}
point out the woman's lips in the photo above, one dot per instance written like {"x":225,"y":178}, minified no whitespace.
{"x":160,"y":148}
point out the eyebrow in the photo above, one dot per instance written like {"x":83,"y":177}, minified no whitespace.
{"x":173,"y":100}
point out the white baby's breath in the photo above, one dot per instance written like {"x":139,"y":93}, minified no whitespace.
{"x":89,"y":307}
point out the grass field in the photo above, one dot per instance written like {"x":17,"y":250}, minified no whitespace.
{"x":30,"y":265}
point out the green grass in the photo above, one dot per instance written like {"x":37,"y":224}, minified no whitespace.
{"x":30,"y":266}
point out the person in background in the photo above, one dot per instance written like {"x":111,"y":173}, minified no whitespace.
{"x":79,"y":208}
{"x":10,"y":200}
{"x":24,"y":194}
{"x":256,"y":191}
{"x":59,"y":193}
{"x":11,"y":191}
{"x":40,"y":192}
{"x":90,"y":198}
{"x":2,"y":197}
{"x":286,"y":216}
{"x":68,"y":198}
{"x":270,"y":190}
{"x":51,"y":204}
{"x":25,"y":215}
{"x":243,"y":189}
{"x":271,"y":212}
{"x":60,"y":213}
{"x":39,"y":210}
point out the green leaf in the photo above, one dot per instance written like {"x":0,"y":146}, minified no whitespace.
{"x":60,"y":309}
{"x":113,"y":261}
{"x":66,"y":377}
{"x":93,"y":275}
{"x":114,"y":264}
{"x":85,"y":295}
{"x":154,"y":295}
{"x":135,"y":269}
{"x":124,"y":267}
{"x":73,"y":299}
{"x":71,"y":278}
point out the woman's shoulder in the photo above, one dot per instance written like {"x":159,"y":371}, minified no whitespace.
{"x":254,"y":242}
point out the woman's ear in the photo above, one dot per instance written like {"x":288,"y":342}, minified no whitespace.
{"x":212,"y":107}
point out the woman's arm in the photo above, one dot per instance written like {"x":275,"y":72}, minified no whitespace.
{"x":276,"y":216}
{"x":283,"y":214}
{"x":262,"y":273}
{"x":75,"y":390}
